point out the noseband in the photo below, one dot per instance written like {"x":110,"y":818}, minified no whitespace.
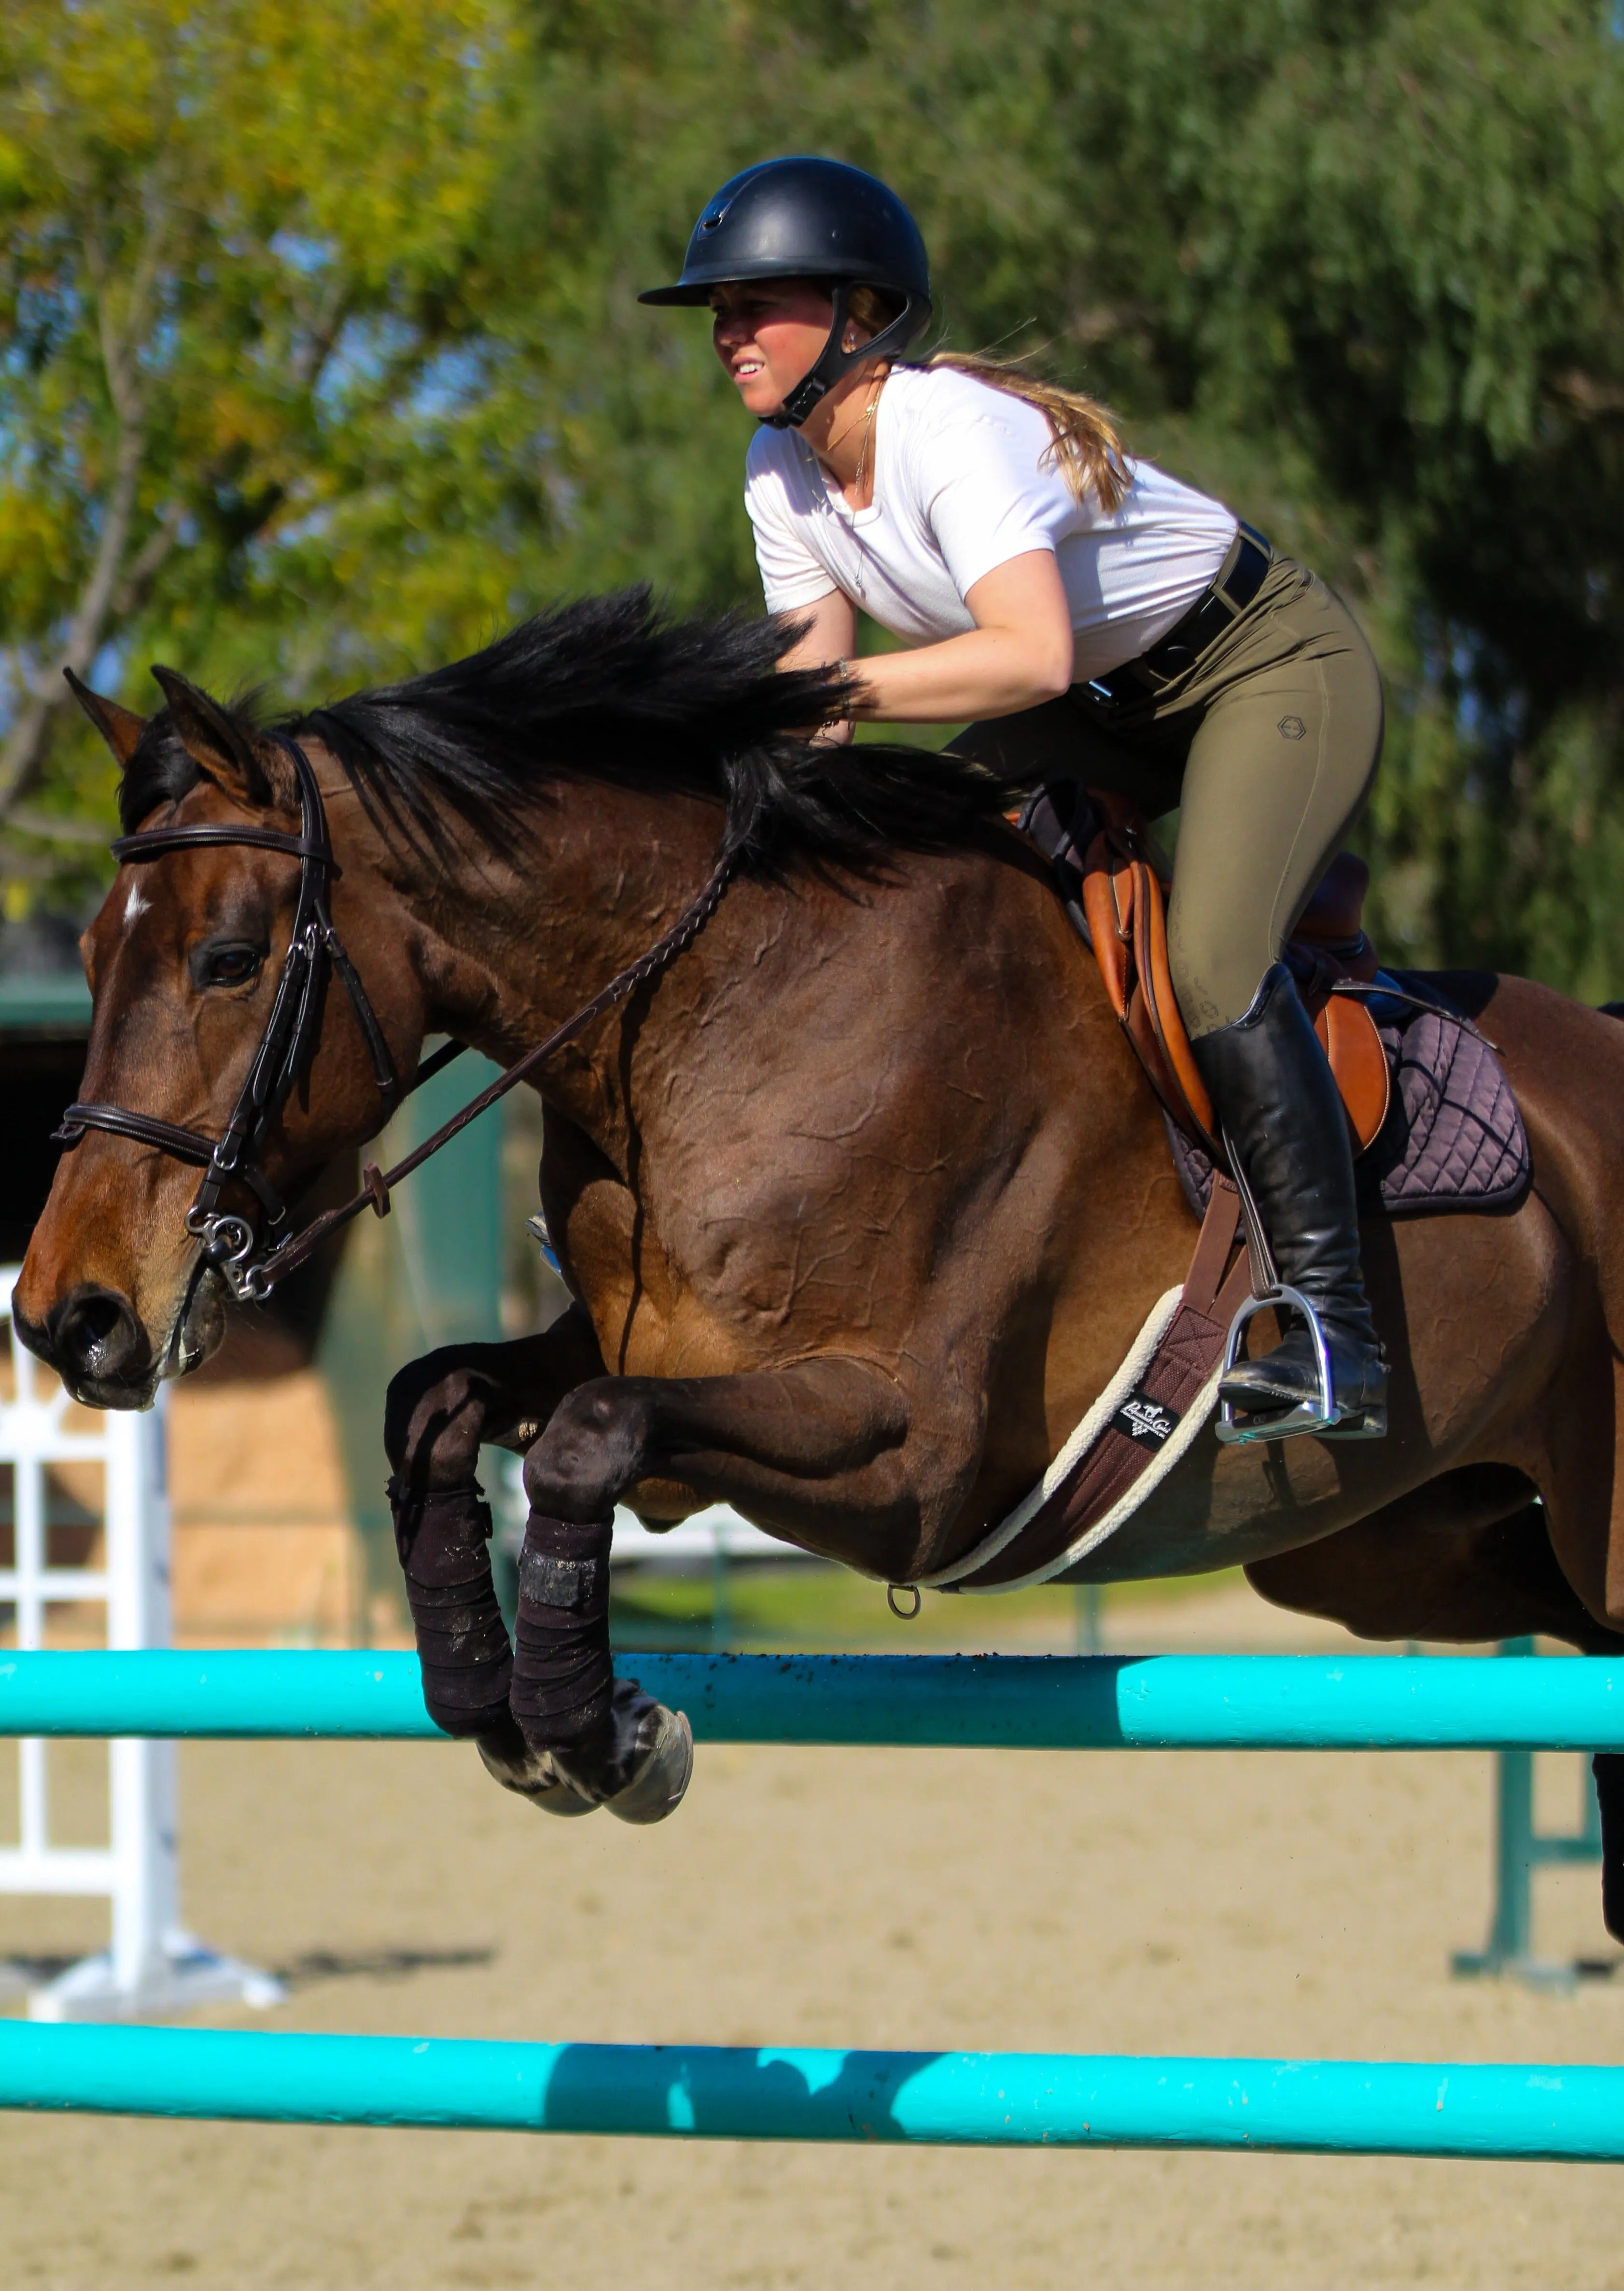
{"x":249,"y":1262}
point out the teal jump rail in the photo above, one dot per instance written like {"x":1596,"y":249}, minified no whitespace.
{"x":1003,"y":2099}
{"x":1159,"y":1702}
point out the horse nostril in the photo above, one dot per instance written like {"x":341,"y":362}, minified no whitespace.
{"x":98,"y":1317}
{"x":94,"y":1333}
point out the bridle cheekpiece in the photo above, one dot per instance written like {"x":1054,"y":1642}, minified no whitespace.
{"x":229,"y":1241}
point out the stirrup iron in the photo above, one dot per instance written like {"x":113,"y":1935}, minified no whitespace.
{"x":1320,"y":1416}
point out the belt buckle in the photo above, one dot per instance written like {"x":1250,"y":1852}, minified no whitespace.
{"x":1188,"y":654}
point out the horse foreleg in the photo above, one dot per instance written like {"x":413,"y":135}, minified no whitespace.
{"x":801,"y":1445}
{"x":827,"y":1451}
{"x":440,"y":1410}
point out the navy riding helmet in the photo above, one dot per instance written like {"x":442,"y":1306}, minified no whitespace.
{"x":806,"y":218}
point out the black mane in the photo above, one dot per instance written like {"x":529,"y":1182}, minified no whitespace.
{"x":611,"y":688}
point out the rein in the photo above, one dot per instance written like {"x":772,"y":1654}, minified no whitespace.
{"x":230,"y":1243}
{"x":376,"y":1184}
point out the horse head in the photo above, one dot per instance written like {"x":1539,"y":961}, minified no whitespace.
{"x":190,"y":961}
{"x":517,"y":828}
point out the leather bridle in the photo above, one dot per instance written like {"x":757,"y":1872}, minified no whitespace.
{"x":252,"y":1261}
{"x":229,"y":1242}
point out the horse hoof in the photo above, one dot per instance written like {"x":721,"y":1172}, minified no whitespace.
{"x":657,"y":1786}
{"x":536,"y":1778}
{"x":639,"y":1763}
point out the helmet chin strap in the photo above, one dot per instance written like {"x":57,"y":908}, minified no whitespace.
{"x":832,"y":361}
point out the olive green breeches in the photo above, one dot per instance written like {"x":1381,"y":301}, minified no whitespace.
{"x":1267,"y":745}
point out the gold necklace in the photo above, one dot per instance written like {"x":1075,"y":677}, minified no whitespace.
{"x":868,"y":431}
{"x":868,"y":418}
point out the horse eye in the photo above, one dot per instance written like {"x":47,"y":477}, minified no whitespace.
{"x":230,"y":966}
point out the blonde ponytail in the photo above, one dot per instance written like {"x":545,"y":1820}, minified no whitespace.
{"x":1087,"y":449}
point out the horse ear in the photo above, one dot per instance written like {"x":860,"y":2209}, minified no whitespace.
{"x":120,"y":727}
{"x":253,"y":770}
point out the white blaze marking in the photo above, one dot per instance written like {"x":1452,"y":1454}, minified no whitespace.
{"x":134,"y":906}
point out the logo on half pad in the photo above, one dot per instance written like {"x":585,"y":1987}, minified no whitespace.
{"x":1145,"y":1420}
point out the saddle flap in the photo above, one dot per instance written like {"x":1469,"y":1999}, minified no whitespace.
{"x":1125,"y":902}
{"x":1127,"y":920}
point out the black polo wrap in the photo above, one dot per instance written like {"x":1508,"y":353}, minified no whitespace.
{"x":444,"y":1542}
{"x":562,"y":1672}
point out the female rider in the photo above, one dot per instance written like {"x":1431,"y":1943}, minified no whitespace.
{"x":1098,"y":621}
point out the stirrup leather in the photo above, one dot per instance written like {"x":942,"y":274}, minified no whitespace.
{"x":1319,"y":1416}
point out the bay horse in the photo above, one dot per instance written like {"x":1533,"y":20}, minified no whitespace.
{"x":862,"y":1199}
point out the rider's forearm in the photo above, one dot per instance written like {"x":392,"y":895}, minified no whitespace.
{"x":992,"y":671}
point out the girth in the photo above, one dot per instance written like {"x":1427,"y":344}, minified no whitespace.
{"x":1137,"y":1431}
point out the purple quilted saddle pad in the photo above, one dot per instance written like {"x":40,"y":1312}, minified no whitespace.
{"x":1453,"y":1139}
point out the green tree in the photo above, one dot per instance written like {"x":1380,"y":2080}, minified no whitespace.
{"x":1357,"y":270}
{"x":1415,"y":270}
{"x":239,"y":250}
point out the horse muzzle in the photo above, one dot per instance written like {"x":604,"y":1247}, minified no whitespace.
{"x":93,"y":1337}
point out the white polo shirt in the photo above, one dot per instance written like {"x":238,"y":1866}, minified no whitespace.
{"x":961,"y":486}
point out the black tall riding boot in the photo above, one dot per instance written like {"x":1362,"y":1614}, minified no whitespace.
{"x":1281,"y":1115}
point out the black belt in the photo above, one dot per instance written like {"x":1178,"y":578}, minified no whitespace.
{"x":1238,"y":583}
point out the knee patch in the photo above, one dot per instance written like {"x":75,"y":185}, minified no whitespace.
{"x":444,"y":1543}
{"x":563,"y":1673}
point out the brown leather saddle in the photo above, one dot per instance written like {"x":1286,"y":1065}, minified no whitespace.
{"x":1115,"y":884}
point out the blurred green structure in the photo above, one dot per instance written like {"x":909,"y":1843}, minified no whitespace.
{"x":1520,"y":1848}
{"x":430,"y":1274}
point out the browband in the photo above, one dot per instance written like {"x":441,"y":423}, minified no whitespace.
{"x":149,"y":843}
